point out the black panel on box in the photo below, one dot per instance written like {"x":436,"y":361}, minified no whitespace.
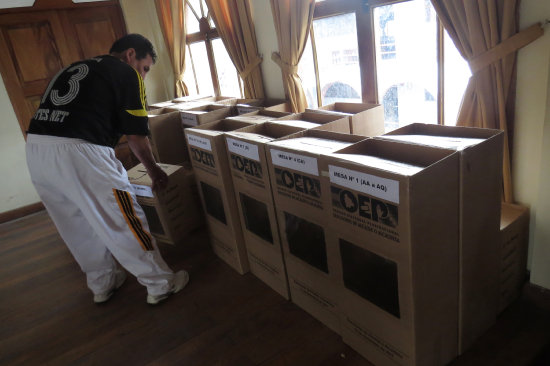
{"x":306,"y":241}
{"x":153,"y":219}
{"x":370,"y":276}
{"x":213,"y":202}
{"x":256,"y":217}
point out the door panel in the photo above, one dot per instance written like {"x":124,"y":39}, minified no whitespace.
{"x":36,"y":49}
{"x":88,"y":35}
{"x":95,"y":29}
{"x":39,"y":37}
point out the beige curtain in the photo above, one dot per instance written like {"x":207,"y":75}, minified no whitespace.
{"x":292,"y":20}
{"x":171,"y":14}
{"x":486,"y":34}
{"x":234,"y":24}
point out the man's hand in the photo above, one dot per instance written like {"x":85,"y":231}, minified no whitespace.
{"x":142,"y":150}
{"x":159,"y":178}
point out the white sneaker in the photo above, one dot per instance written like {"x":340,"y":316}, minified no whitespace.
{"x":181,"y":279}
{"x":120,"y":277}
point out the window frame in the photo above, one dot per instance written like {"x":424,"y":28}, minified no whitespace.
{"x":364,"y":17}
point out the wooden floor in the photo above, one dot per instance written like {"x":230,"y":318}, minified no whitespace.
{"x":47,"y":316}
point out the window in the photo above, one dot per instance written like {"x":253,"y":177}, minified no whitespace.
{"x":395,"y":53}
{"x":218,"y":76}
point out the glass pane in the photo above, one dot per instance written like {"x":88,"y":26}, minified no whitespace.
{"x":227,"y":74}
{"x":189,"y":75}
{"x":406,"y":62}
{"x":202,"y":68}
{"x":338,"y":59}
{"x":457,"y":74}
{"x":210,"y":20}
{"x":192,"y":18}
{"x":306,"y":71}
{"x":203,"y":8}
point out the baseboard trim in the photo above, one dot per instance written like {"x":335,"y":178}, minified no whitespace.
{"x":20,"y":212}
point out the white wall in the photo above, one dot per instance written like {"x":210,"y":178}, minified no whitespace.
{"x":530,"y":163}
{"x":267,"y":44}
{"x":141,"y":17}
{"x":17,"y":189}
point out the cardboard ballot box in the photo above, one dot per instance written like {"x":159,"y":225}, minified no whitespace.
{"x":480,"y":178}
{"x":208,"y":154}
{"x":158,"y":105}
{"x":207,"y":99}
{"x":298,"y":196}
{"x":251,"y":105}
{"x":259,"y":116}
{"x":222,"y":100}
{"x":319,"y":121}
{"x":514,"y":241}
{"x":365,"y":119}
{"x":189,"y":98}
{"x":173,"y":213}
{"x":393,"y":236}
{"x":204,"y":114}
{"x":247,"y":158}
{"x":166,"y":137}
{"x":185,"y":106}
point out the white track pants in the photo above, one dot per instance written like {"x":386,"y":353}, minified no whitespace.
{"x":85,"y":190}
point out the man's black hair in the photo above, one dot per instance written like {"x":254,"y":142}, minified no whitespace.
{"x":136,"y":41}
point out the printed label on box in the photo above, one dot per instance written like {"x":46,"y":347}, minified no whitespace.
{"x":302,"y":163}
{"x":143,"y":191}
{"x":189,"y":119}
{"x":386,"y":189}
{"x":199,"y":142}
{"x":243,"y":148}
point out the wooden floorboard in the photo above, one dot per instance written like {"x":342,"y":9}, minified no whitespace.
{"x":47,"y":316}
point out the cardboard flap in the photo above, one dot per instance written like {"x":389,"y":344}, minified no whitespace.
{"x":221,"y":126}
{"x":255,"y":137}
{"x":329,"y":135}
{"x":446,"y":142}
{"x":375,"y":162}
{"x":269,"y":129}
{"x":312,"y":144}
{"x":345,"y":108}
{"x":190,"y":98}
{"x":412,"y":154}
{"x":251,"y":117}
{"x":450,"y":131}
{"x":319,"y":118}
{"x":512,"y":212}
{"x":298,"y":123}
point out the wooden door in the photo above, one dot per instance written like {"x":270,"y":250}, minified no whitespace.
{"x":36,"y":43}
{"x":34,"y":48}
{"x":93,"y":29}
